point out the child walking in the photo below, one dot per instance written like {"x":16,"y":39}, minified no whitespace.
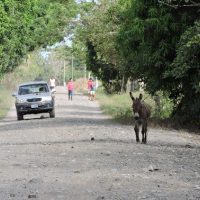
{"x":91,"y":89}
{"x":70,"y":87}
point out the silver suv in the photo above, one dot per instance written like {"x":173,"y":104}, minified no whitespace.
{"x":33,"y":98}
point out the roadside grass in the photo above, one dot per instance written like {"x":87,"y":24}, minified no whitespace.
{"x":5,"y":101}
{"x":119,"y":107}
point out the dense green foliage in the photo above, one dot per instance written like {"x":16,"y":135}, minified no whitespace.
{"x":153,"y":41}
{"x":26,"y":25}
{"x":157,"y":48}
{"x":185,"y":70}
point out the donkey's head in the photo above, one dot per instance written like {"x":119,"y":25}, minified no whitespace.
{"x":137,"y":106}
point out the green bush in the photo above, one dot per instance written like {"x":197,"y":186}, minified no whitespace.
{"x":163,"y":106}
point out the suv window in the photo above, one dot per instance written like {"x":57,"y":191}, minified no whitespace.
{"x":33,"y":88}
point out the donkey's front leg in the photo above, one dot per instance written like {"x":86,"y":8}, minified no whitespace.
{"x":137,"y":132}
{"x":144,"y":133}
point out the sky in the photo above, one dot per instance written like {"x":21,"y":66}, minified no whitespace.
{"x":66,"y":40}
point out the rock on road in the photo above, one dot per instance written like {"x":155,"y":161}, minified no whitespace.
{"x":53,"y":159}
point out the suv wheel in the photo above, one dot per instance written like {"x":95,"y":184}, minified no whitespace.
{"x":20,"y":116}
{"x":52,"y":114}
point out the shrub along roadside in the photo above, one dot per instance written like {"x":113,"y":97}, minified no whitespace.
{"x":5,"y":101}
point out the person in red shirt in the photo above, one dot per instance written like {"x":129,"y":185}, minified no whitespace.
{"x":70,"y":88}
{"x":91,"y":89}
{"x":89,"y":85}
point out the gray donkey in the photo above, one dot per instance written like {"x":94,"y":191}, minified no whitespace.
{"x":141,"y":115}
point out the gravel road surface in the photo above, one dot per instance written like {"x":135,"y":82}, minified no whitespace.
{"x":83,"y":155}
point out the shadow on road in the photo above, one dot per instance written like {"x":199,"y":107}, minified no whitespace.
{"x":111,"y":141}
{"x":56,"y":123}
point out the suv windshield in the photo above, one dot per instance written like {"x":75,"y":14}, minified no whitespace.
{"x":32,"y":89}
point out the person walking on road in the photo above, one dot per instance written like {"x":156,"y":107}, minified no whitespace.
{"x":70,"y":88}
{"x":52,"y":83}
{"x":91,"y":89}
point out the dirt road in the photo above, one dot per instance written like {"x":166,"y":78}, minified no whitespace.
{"x":53,"y":159}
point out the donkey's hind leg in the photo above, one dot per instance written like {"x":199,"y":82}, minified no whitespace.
{"x":137,"y":132}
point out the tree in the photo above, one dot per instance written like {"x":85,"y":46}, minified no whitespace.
{"x":180,"y":3}
{"x":98,"y":31}
{"x":26,"y":25}
{"x":151,"y":39}
{"x":185,"y":69}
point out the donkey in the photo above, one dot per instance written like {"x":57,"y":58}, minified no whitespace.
{"x":141,"y":115}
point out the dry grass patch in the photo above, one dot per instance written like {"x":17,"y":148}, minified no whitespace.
{"x":5,"y":101}
{"x":120,"y":106}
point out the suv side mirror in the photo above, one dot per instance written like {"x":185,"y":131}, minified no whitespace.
{"x":14,"y":94}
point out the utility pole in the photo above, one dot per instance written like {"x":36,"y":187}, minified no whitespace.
{"x":85,"y":76}
{"x":72,"y":68}
{"x":64,"y":83}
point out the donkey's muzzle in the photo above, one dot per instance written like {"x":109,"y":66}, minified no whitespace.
{"x":136,"y":116}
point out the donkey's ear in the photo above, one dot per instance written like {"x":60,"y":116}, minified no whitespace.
{"x":140,"y":96}
{"x":131,"y":96}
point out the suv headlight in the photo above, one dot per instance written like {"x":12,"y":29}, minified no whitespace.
{"x":49,"y":98}
{"x":21,"y":100}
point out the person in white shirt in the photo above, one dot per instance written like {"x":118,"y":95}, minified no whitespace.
{"x":52,"y":83}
